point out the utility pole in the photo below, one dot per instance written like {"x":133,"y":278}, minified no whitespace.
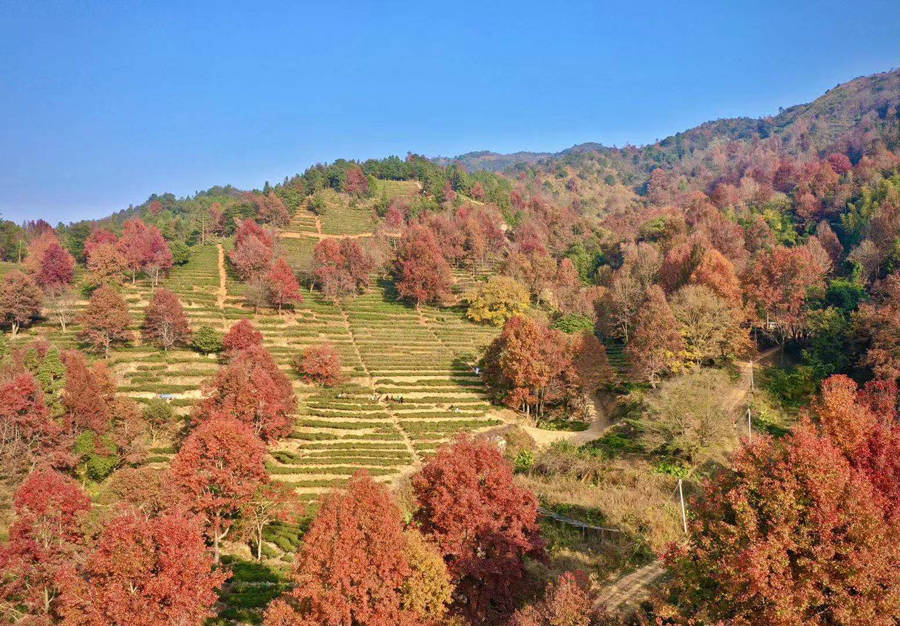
{"x":751,"y":375}
{"x":683,"y":516}
{"x":749,"y":428}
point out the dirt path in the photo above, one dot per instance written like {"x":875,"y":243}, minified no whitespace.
{"x":543,"y":437}
{"x":221,"y":292}
{"x":739,"y":393}
{"x":599,"y":424}
{"x":631,"y":589}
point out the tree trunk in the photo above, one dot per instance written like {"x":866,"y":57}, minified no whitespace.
{"x":218,"y":535}
{"x":259,"y":543}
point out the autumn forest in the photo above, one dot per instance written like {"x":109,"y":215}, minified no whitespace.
{"x":633,"y":385}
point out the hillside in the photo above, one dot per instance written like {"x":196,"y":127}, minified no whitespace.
{"x":334,"y":436}
{"x":867,"y":104}
{"x":492,"y":161}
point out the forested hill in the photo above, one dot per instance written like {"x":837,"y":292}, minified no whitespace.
{"x":860,"y":107}
{"x":506,"y":389}
{"x":494,"y":161}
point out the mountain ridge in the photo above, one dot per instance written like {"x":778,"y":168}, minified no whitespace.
{"x":843,"y":100}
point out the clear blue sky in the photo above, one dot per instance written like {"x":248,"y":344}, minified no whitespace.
{"x":104,"y":103}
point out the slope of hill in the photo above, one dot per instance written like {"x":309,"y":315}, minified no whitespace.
{"x":492,"y":161}
{"x":647,"y":279}
{"x":867,"y":104}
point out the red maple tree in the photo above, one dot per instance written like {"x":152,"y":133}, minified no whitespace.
{"x":528,"y":365}
{"x":271,"y":209}
{"x":89,"y":394}
{"x":862,"y":424}
{"x":567,"y":601}
{"x":352,"y":565}
{"x":56,"y":268}
{"x":90,"y":404}
{"x":143,"y":572}
{"x":253,"y":250}
{"x":272,"y":501}
{"x":717,"y":273}
{"x":159,"y":258}
{"x":105,"y":264}
{"x":98,"y":236}
{"x":148,"y":490}
{"x":251,"y":389}
{"x":248,"y":229}
{"x":777,"y":285}
{"x":105,"y":320}
{"x":791,"y":535}
{"x":281,"y":285}
{"x":37,"y":245}
{"x":483,"y":524}
{"x":144,"y":249}
{"x":656,"y":346}
{"x":320,"y":364}
{"x":20,"y":300}
{"x":356,"y":182}
{"x":165,"y":322}
{"x":341,"y":267}
{"x":27,"y":433}
{"x":241,"y":336}
{"x":45,"y":537}
{"x":879,"y":322}
{"x":421,"y":272}
{"x":217,"y":470}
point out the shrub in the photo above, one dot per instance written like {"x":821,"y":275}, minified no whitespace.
{"x":573,"y":323}
{"x":159,"y":416}
{"x":524,"y":461}
{"x":208,"y":340}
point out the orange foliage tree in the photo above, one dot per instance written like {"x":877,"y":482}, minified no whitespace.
{"x":656,"y":346}
{"x":217,"y":469}
{"x":105,"y":320}
{"x":352,"y":566}
{"x":421,"y":272}
{"x":45,"y":537}
{"x":241,"y":336}
{"x":143,"y":572}
{"x":791,"y":535}
{"x":320,"y":364}
{"x":20,"y":300}
{"x":251,"y":389}
{"x":528,"y":365}
{"x":165,"y":322}
{"x":567,"y":601}
{"x":281,"y":285}
{"x":483,"y":524}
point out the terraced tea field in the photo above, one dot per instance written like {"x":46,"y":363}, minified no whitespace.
{"x":411,"y":383}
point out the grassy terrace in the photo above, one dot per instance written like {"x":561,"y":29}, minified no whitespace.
{"x":411,"y":383}
{"x":430,"y":385}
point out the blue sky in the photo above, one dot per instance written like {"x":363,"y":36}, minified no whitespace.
{"x":104,"y":103}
